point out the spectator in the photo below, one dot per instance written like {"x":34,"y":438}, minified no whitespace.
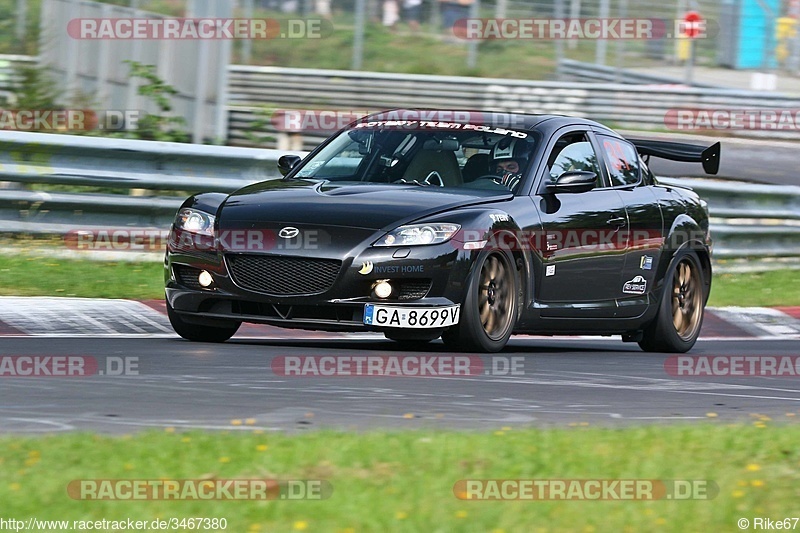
{"x":412,"y":12}
{"x":323,"y":8}
{"x":453,"y":10}
{"x":391,"y":13}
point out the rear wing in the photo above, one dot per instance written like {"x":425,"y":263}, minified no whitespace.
{"x":688,"y":153}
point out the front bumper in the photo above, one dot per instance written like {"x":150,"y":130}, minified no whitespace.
{"x":436,"y":274}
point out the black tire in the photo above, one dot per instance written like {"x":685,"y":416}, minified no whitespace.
{"x":489,"y":310}
{"x":412,"y":339}
{"x":201,"y":333}
{"x":680,"y":313}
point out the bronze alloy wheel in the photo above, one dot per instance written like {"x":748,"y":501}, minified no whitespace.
{"x":677,"y":324}
{"x":687,"y":299}
{"x":495,"y":297}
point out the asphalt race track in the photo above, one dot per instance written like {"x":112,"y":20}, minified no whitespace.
{"x":565,"y":381}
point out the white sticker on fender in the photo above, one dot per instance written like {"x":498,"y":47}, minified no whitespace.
{"x":637,"y":285}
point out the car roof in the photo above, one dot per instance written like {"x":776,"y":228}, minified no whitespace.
{"x":545,"y":123}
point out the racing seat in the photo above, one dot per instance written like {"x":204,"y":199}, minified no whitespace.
{"x":434,"y":162}
{"x":476,"y":166}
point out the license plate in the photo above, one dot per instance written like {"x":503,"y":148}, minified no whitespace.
{"x":411,"y":317}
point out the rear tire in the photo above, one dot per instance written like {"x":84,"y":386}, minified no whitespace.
{"x":489,"y":310}
{"x":200,"y":333}
{"x":680,"y":313}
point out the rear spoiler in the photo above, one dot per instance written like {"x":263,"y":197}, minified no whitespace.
{"x":688,"y":153}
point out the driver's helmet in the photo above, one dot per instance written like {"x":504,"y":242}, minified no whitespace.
{"x":508,"y":159}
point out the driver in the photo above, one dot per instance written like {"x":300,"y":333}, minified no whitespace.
{"x":509,"y":157}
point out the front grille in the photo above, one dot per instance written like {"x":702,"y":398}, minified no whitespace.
{"x":283,"y":276}
{"x":413,"y":289}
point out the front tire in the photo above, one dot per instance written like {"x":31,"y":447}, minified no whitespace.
{"x":201,"y":333}
{"x":489,"y":310}
{"x":680,"y":314}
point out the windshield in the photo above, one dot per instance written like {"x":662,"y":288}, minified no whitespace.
{"x":433,"y":154}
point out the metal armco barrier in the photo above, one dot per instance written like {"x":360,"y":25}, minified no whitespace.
{"x":581,"y":71}
{"x":44,"y":162}
{"x":625,"y":105}
{"x":621,"y":105}
{"x":747,"y":220}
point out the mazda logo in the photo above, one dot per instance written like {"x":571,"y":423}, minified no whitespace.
{"x":288,"y":233}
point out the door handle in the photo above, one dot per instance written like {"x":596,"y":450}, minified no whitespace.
{"x":617,"y":222}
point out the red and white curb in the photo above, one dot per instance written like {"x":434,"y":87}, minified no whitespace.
{"x":89,"y":317}
{"x":43,"y":316}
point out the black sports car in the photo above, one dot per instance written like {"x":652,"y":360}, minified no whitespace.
{"x":471,"y":226}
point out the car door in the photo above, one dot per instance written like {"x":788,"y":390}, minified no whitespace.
{"x":633,"y":183}
{"x":582,"y":255}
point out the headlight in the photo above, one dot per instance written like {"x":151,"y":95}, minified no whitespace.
{"x":419,"y":234}
{"x":195,"y":221}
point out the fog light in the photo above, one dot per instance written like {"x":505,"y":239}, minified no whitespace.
{"x":205,"y":279}
{"x":383,"y":289}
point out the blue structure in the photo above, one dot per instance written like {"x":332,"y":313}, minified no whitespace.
{"x":747,"y":33}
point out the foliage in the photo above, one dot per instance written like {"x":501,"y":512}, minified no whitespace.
{"x":161,"y":126}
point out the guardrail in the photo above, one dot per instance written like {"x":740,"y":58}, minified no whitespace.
{"x":581,"y":71}
{"x":628,"y":106}
{"x":636,"y":106}
{"x":34,"y":167}
{"x":747,"y":220}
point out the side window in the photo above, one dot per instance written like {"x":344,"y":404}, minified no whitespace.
{"x":622,"y":161}
{"x":573,"y":152}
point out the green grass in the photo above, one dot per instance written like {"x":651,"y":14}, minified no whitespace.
{"x":777,"y":288}
{"x":27,"y":274}
{"x":531,"y":60}
{"x":32,"y":275}
{"x":403,"y":481}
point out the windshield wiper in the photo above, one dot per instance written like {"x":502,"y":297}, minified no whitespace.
{"x":412,"y":182}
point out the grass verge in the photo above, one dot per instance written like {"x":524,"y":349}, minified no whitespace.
{"x":756,"y":289}
{"x":34,"y":275}
{"x":403,"y":481}
{"x":29,"y":275}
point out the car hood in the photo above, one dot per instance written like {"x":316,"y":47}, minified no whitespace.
{"x":355,"y":205}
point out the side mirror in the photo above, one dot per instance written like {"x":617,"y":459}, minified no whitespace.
{"x":574,"y":181}
{"x":287,"y":162}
